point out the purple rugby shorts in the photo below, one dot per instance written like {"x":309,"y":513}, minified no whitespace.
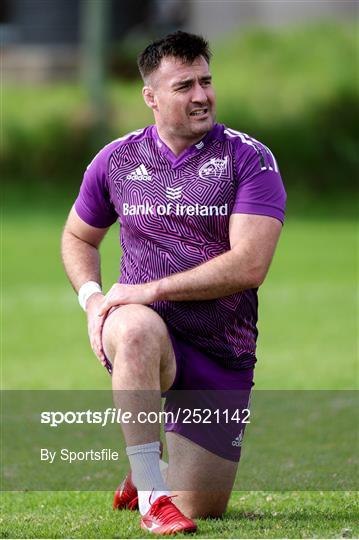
{"x":207,"y":403}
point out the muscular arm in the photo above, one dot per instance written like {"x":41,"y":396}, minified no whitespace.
{"x":252,"y":239}
{"x":81,"y":258}
{"x":79,"y":250}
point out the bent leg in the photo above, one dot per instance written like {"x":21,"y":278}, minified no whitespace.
{"x":136,"y":340}
{"x":201,"y":480}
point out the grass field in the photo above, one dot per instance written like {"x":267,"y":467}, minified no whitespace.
{"x":250,"y":515}
{"x":308,"y":324}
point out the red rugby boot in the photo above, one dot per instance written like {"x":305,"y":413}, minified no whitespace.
{"x":164,"y":517}
{"x":126,"y":496}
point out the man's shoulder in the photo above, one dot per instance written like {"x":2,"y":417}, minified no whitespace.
{"x":132,"y":137}
{"x":241,"y":138}
{"x":245,"y":145}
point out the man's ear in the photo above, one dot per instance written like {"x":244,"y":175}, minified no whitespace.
{"x":149,"y":97}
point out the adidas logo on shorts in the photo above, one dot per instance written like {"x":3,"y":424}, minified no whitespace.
{"x":139,"y":174}
{"x":238,"y":440}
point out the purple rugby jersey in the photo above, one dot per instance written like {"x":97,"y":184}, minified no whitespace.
{"x":174,"y":215}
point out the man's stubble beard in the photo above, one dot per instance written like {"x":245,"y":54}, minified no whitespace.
{"x":190,"y":132}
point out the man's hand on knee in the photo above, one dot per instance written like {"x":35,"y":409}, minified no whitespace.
{"x":121,"y":294}
{"x":95,"y":324}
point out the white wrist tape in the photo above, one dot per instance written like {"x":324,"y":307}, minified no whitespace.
{"x":86,"y":290}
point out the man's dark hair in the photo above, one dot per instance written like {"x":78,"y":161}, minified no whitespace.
{"x":182,"y":45}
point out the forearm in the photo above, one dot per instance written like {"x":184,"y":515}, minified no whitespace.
{"x":222,"y":276}
{"x":244,"y":266}
{"x":81,"y":260}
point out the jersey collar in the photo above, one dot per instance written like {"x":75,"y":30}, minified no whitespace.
{"x":191,"y":150}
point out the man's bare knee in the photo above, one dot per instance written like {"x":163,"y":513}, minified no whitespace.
{"x":136,"y":337}
{"x":132,"y":325}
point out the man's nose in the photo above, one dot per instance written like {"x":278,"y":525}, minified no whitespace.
{"x":199,"y":95}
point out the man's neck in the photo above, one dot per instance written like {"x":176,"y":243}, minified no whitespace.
{"x":176,"y":144}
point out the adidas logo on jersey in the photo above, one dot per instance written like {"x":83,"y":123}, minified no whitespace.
{"x":139,"y":174}
{"x":238,"y":440}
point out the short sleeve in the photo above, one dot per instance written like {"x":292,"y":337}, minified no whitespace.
{"x":93,"y":204}
{"x":260,"y":187}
